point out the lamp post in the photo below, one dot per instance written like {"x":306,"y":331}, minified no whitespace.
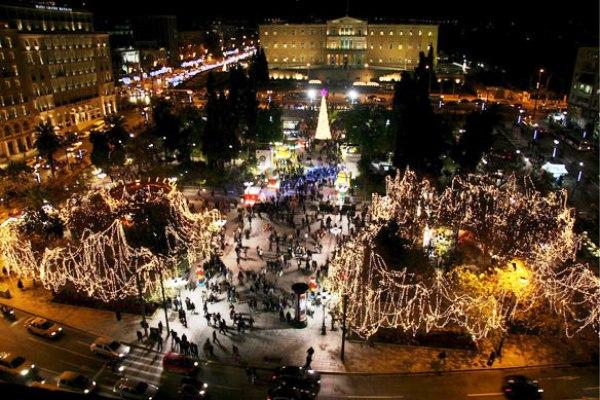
{"x":142,"y":303}
{"x":164,"y":300}
{"x":324,"y":300}
{"x":537,"y":86}
{"x":344,"y":311}
{"x":555,"y":148}
{"x":580,"y":173}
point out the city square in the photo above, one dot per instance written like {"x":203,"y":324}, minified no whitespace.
{"x":269,"y":204}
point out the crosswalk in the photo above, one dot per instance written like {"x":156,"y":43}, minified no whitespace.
{"x":138,"y":365}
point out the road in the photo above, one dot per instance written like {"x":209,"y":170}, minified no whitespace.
{"x":71,"y":352}
{"x":558,"y":383}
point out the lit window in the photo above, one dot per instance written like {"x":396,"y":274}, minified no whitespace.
{"x":429,"y":33}
{"x":381,"y":33}
{"x":266,"y":33}
{"x":400,"y":47}
{"x":391,"y":33}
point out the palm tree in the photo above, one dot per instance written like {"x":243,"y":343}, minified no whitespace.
{"x":47,"y":142}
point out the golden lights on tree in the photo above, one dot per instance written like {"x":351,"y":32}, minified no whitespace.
{"x":528,"y":239}
{"x":102,"y":264}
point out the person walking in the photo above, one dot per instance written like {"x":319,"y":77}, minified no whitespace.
{"x":140,"y":336}
{"x":309,"y":355}
{"x":159,"y":344}
{"x":160,"y":328}
{"x":118,"y":314}
{"x":214,"y":336}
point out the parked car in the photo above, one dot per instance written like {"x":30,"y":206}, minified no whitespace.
{"x":75,"y":382}
{"x":109,"y":348}
{"x":180,"y":363}
{"x":43,"y":327}
{"x":520,"y":387}
{"x":135,"y":389}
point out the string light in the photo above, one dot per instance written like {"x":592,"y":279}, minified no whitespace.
{"x":102,"y":264}
{"x":510,"y":221}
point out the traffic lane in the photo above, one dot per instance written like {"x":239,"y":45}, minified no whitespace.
{"x":226,"y":382}
{"x":558,"y":383}
{"x":69,"y":352}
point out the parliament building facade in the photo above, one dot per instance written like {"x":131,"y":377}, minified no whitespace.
{"x":346,"y":43}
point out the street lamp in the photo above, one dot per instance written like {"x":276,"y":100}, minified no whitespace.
{"x":555,"y":148}
{"x":537,"y":86}
{"x":324,"y":301}
{"x":580,"y":173}
{"x":352,"y":95}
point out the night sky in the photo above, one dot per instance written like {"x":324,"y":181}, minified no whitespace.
{"x":530,"y":9}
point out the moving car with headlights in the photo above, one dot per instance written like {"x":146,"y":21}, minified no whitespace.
{"x":180,"y":363}
{"x":14,"y":368}
{"x":299,"y":379}
{"x":109,"y":348}
{"x":75,"y":382}
{"x":133,"y":389}
{"x":520,"y":387}
{"x":191,"y":388}
{"x":43,"y":327}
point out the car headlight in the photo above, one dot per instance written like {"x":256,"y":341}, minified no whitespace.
{"x":202,"y":392}
{"x":205,"y":385}
{"x":540,"y":390}
{"x":86,"y":391}
{"x":121,"y":355}
{"x":94,"y":383}
{"x":32,"y":366}
{"x":60,"y":329}
{"x":195,"y":363}
{"x":24,"y":372}
{"x":53,"y":334}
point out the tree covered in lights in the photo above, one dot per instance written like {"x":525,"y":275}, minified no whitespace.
{"x":111,"y":238}
{"x":522,"y":263}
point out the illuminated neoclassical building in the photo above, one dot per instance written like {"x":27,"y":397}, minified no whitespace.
{"x":346,"y":44}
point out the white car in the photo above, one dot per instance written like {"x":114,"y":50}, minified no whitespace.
{"x":109,"y":348}
{"x":16,"y":368}
{"x":135,"y":389}
{"x":43,"y":327}
{"x":75,"y":382}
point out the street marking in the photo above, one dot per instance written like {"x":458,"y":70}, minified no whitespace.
{"x":70,"y":363}
{"x":359,"y":397}
{"x":16,"y":322}
{"x":50,"y":371}
{"x":562,"y":378}
{"x":63,"y":349}
{"x":224,"y":387}
{"x":86,"y":344}
{"x":97,"y":374}
{"x":484,"y":394}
